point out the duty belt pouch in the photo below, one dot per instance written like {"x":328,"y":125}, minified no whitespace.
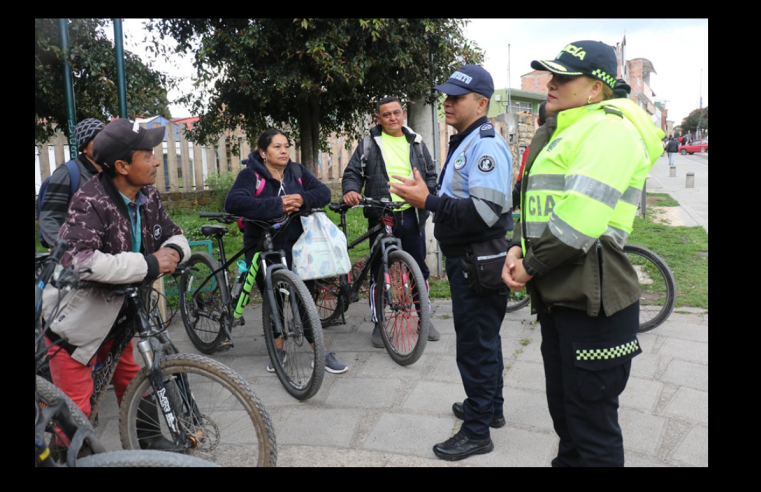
{"x":482,"y":265}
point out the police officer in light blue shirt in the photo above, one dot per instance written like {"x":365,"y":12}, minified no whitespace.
{"x":474,"y":204}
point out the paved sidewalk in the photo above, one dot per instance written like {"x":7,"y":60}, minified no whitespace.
{"x":382,"y":414}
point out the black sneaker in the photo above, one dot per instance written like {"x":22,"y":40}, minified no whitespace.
{"x":460,"y":446}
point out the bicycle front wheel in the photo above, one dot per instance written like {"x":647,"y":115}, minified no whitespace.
{"x":401,"y":303}
{"x":298,"y":354}
{"x":56,"y":438}
{"x":657,"y":286}
{"x":203,"y":303}
{"x":221,"y":416}
{"x":142,"y":458}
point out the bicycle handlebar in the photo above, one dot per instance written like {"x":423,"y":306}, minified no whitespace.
{"x":366,"y":202}
{"x":276,"y":223}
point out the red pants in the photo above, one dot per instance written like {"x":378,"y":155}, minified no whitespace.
{"x":75,"y":378}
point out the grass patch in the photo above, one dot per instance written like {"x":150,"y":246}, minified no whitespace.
{"x":684,"y":249}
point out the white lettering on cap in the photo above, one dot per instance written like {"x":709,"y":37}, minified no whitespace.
{"x":135,"y":127}
{"x":462,"y":77}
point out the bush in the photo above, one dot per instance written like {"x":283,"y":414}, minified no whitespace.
{"x":220,"y":183}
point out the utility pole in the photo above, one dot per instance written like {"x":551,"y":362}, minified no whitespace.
{"x":509,"y":108}
{"x":700,"y":90}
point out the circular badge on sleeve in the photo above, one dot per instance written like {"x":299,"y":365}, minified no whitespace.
{"x":459,"y":163}
{"x":157,"y":231}
{"x":486,"y":164}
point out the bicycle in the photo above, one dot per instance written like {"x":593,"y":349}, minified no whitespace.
{"x":192,"y":404}
{"x":401,"y":299}
{"x":210,"y":308}
{"x":656,"y":282}
{"x":63,"y":434}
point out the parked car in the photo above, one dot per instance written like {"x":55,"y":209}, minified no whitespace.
{"x":696,"y":146}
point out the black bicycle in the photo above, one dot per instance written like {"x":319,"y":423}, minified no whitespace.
{"x":656,"y":282}
{"x":187,"y":403}
{"x":210,"y":307}
{"x":401,"y":296}
{"x":63,"y":434}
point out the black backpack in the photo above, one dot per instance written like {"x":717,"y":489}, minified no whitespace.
{"x":74,"y":184}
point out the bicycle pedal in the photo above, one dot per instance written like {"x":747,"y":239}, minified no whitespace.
{"x":225,"y":346}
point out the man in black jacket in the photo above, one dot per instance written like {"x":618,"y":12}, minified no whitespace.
{"x":56,"y":202}
{"x":391,"y":148}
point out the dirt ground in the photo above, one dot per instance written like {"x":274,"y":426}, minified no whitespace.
{"x":668,"y":215}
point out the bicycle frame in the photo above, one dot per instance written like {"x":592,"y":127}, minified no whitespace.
{"x":266,"y":258}
{"x":151,"y":354}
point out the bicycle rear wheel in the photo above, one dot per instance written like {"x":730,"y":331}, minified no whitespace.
{"x":517,"y":300}
{"x":329,"y":300}
{"x":657,"y":286}
{"x":403,"y":308}
{"x":301,"y":368}
{"x":223,"y":419}
{"x":203,"y":307}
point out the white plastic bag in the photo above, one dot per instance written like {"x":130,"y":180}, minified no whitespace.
{"x":321,"y":251}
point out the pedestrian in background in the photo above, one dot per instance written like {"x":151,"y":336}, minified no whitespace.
{"x":672,"y":148}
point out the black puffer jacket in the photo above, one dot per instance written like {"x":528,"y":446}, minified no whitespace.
{"x":374,"y":178}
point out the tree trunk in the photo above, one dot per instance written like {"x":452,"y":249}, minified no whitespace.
{"x":309,"y":131}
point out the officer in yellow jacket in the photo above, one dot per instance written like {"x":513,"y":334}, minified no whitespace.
{"x":580,"y":197}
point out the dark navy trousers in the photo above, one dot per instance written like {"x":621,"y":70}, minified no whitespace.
{"x":587,"y":361}
{"x":477,"y":321}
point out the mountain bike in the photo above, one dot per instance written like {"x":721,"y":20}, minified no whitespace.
{"x":210,"y":307}
{"x":656,"y":283}
{"x":189,"y":403}
{"x":63,"y":434}
{"x":401,"y":296}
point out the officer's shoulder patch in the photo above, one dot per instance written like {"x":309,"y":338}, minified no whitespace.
{"x":612,"y":110}
{"x":486,"y":164}
{"x":486,"y":130}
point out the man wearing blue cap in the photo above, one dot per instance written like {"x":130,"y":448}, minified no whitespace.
{"x":473,"y":208}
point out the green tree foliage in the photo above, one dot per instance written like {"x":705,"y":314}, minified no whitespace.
{"x":698,"y":118}
{"x":310,"y":77}
{"x":92,"y":62}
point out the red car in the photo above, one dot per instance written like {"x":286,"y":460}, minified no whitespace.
{"x":695,"y":146}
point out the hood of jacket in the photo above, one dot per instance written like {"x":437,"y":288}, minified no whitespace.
{"x":652,"y":136}
{"x":408,"y":132}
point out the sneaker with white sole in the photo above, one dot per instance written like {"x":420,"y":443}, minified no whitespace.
{"x":332,"y":365}
{"x":280,"y":355}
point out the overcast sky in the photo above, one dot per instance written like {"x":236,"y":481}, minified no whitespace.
{"x":677,"y":48}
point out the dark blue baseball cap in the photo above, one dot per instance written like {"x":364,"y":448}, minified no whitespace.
{"x":591,"y":58}
{"x":470,"y":78}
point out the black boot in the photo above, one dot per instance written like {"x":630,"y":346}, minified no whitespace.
{"x":148,"y":427}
